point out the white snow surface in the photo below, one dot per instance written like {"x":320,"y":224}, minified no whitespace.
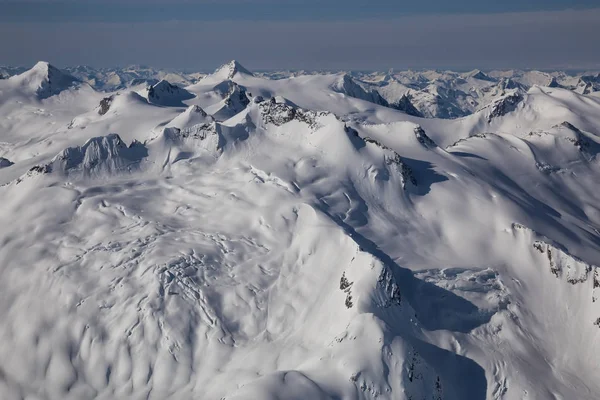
{"x":255,"y":238}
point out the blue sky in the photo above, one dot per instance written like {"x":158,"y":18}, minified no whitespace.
{"x":327,"y":34}
{"x":208,"y":10}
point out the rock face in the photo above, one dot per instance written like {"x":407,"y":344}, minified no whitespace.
{"x":564,"y":265}
{"x":580,"y":140}
{"x":5,"y":162}
{"x":477,"y":74}
{"x":588,"y":84}
{"x":166,"y":94}
{"x":197,"y":132}
{"x":423,"y":138}
{"x":509,"y":84}
{"x":553,"y":83}
{"x":394,"y":160}
{"x":204,"y":140}
{"x":504,"y":105}
{"x":404,"y":104}
{"x":235,"y":101}
{"x":105,"y":104}
{"x":237,"y":98}
{"x":278,"y":113}
{"x":104,"y":155}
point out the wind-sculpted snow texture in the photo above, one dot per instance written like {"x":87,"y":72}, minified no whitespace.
{"x":313,"y":236}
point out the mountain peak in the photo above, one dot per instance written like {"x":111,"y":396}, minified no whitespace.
{"x":45,"y":80}
{"x":478,"y":74}
{"x":166,"y":94}
{"x":42,"y":66}
{"x":232,"y":68}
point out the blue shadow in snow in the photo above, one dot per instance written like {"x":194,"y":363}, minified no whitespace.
{"x":436,"y":308}
{"x":424,"y":174}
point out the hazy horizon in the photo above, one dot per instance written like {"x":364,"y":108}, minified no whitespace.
{"x":267,"y":35}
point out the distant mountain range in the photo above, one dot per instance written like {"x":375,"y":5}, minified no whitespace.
{"x":431,"y":94}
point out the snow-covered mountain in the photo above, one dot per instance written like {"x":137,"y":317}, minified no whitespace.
{"x":432,"y":94}
{"x":43,"y":81}
{"x":166,"y":94}
{"x":313,"y":236}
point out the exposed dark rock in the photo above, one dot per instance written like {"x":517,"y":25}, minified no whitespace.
{"x":237,"y":96}
{"x":589,"y":83}
{"x":345,"y":286}
{"x":105,"y":104}
{"x":546,"y":168}
{"x":553,"y":83}
{"x":459,"y":141}
{"x":41,"y":169}
{"x":394,"y":159}
{"x":165,"y":94}
{"x":505,"y":105}
{"x":423,"y":138}
{"x":581,"y":141}
{"x":344,"y":282}
{"x":576,"y":270}
{"x":5,"y":162}
{"x":404,"y":104}
{"x":481,"y":76}
{"x":390,"y":288}
{"x":280,"y":113}
{"x":200,"y":131}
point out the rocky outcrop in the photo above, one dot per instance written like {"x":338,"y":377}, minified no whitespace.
{"x":565,"y":265}
{"x":166,"y":94}
{"x":388,"y":285}
{"x":504,"y":106}
{"x":105,"y":155}
{"x":279,"y":113}
{"x":237,"y":97}
{"x":5,"y":162}
{"x":393,"y":159}
{"x":588,"y":84}
{"x":422,"y":138}
{"x":475,"y":136}
{"x":235,"y":101}
{"x":553,"y":83}
{"x":480,"y":75}
{"x":404,"y":104}
{"x":105,"y":105}
{"x":580,"y":140}
{"x":206,"y":137}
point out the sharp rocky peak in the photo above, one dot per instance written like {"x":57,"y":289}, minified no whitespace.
{"x":279,"y":111}
{"x":231,"y":69}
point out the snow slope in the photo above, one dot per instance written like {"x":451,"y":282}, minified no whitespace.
{"x":292,"y":239}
